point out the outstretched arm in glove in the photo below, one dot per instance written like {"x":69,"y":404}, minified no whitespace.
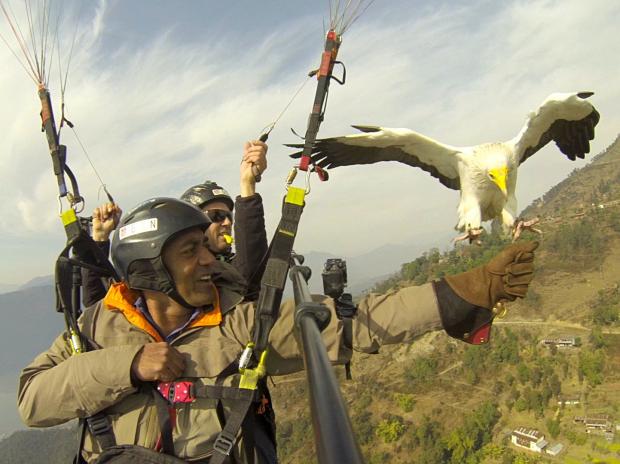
{"x":466,"y":300}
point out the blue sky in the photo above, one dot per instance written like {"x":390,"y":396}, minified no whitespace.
{"x":164,"y":93}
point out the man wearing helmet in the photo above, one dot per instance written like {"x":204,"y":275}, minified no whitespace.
{"x":179,"y":322}
{"x":217,"y":204}
{"x":213,"y":200}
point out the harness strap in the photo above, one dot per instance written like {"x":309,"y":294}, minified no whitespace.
{"x":225,"y":393}
{"x":165,"y":421}
{"x":274,"y":277}
{"x":221,"y":417}
{"x":347,"y":338}
{"x":227,"y":438}
{"x":188,"y":392}
{"x":100,"y":428}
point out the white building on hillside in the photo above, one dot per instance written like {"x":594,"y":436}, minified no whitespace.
{"x":569,"y":400}
{"x":530,"y":439}
{"x":562,"y":342}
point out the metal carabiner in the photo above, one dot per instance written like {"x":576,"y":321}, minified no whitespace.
{"x":59,"y":205}
{"x":291,"y":176}
{"x":308,"y":189}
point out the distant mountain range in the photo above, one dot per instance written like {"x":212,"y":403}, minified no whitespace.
{"x":41,"y":281}
{"x":6,"y":288}
{"x":363,"y":271}
{"x":30,"y":324}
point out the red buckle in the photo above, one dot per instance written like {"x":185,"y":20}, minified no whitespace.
{"x":176,"y":392}
{"x":323,"y":174}
{"x":480,"y":336}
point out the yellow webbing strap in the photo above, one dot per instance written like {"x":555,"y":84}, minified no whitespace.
{"x":68,"y":217}
{"x":295,"y":196}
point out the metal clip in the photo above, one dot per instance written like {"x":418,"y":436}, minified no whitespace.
{"x":244,"y":360}
{"x":79,"y":205}
{"x":500,"y":310}
{"x":308,"y":189}
{"x":291,"y":176}
{"x":76,"y":343}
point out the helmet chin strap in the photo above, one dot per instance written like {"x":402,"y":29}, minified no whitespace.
{"x":166,"y":279}
{"x":179,"y":299}
{"x":151,"y":274}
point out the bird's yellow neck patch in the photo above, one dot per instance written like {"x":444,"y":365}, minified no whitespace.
{"x":498,"y":176}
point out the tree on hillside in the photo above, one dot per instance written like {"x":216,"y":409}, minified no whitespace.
{"x":465,"y":441}
{"x":606,"y":308}
{"x":421,"y":371}
{"x":536,"y":376}
{"x":591,"y":364}
{"x":555,"y":385}
{"x":505,"y":347}
{"x":390,"y":428}
{"x":553,"y":426}
{"x":427,"y":436}
{"x":523,"y":373}
{"x":583,"y":239}
{"x":597,"y":338}
{"x":613,"y":219}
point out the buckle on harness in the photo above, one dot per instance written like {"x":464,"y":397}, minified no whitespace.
{"x":98,"y":424}
{"x":177,"y":392}
{"x":224,"y":443}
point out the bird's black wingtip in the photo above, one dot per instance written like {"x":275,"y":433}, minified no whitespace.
{"x":295,"y":145}
{"x":585,"y":95}
{"x":366,"y":128}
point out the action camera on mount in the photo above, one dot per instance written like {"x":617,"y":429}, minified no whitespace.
{"x":334,"y":277}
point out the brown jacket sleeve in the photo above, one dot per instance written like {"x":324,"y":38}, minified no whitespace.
{"x":395,"y":317}
{"x":57,"y":387}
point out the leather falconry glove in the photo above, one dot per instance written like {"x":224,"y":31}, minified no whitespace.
{"x":465,"y":300}
{"x":505,"y":277}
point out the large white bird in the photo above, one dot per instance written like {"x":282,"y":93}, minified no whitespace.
{"x":485,"y":174}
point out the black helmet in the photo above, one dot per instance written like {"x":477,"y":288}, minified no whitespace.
{"x":201,"y":194}
{"x":141,"y":237}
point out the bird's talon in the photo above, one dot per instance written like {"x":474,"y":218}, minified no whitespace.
{"x":521,"y":225}
{"x":472,"y":235}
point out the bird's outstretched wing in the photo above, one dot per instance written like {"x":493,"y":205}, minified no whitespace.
{"x":566,"y":118}
{"x":382,"y":144}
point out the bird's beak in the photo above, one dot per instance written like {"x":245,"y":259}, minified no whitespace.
{"x":499,"y":176}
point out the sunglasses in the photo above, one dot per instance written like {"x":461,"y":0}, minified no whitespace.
{"x":219,"y":215}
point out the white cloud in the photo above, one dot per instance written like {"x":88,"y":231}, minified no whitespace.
{"x":163,"y":115}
